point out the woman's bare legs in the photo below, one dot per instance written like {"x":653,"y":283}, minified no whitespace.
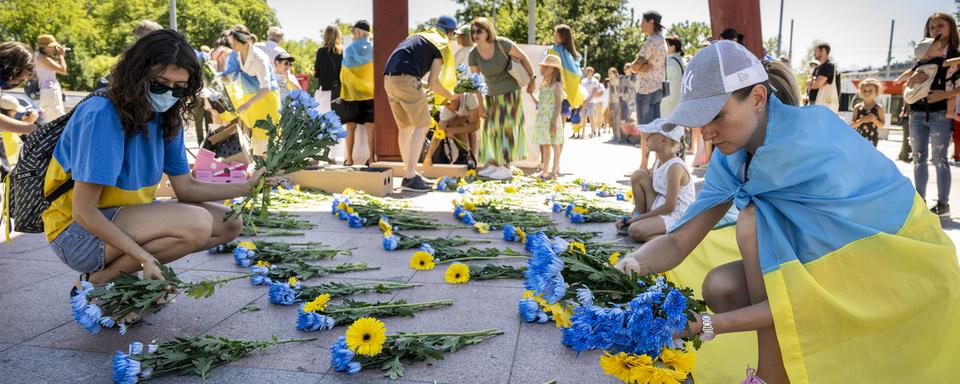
{"x":348,"y":146}
{"x":644,"y":151}
{"x":168,"y":231}
{"x":556,"y":161}
{"x":369,"y":129}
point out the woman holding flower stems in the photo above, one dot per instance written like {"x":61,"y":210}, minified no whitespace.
{"x":502,"y":138}
{"x":820,"y":245}
{"x":106,"y":223}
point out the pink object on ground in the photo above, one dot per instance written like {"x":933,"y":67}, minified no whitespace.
{"x":210,"y":170}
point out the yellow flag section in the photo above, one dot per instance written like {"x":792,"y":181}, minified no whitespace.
{"x":448,"y":70}
{"x":10,"y":146}
{"x":571,"y":75}
{"x":241,"y":87}
{"x":723,"y":359}
{"x":890,"y":321}
{"x":356,"y":75}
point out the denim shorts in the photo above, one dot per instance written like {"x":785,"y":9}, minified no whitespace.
{"x":80,"y":250}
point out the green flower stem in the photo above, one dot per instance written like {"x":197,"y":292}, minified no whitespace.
{"x":426,"y":303}
{"x":481,"y":258}
{"x":278,"y":342}
{"x":485,"y":332}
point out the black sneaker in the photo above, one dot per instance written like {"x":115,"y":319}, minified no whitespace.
{"x":415,"y":184}
{"x":942,"y":210}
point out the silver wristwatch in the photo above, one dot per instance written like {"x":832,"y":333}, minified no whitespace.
{"x":706,"y":333}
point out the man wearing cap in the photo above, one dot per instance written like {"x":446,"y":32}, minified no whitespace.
{"x":51,"y":61}
{"x":283,"y":66}
{"x":829,"y":232}
{"x":356,"y":89}
{"x":421,"y":53}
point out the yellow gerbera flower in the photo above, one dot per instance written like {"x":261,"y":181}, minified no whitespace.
{"x":559,"y":188}
{"x":422,"y":261}
{"x":511,"y":189}
{"x":388,"y":234}
{"x":581,"y":210}
{"x":349,"y":191}
{"x":296,"y":187}
{"x":522,"y":235}
{"x":366,"y":336}
{"x":679,"y":360}
{"x":292,"y":281}
{"x":262,"y":263}
{"x":659,"y":375}
{"x":248,"y":245}
{"x":462,"y":182}
{"x":439,"y":134}
{"x":342,"y":206}
{"x":629,"y":194}
{"x":457,"y":273}
{"x":470,"y":206}
{"x":622,"y":366}
{"x":482,"y":227}
{"x":471,"y":173}
{"x":318,"y":304}
{"x":578,"y":246}
{"x":384,"y":225}
{"x":614,"y":258}
{"x":561,"y":314}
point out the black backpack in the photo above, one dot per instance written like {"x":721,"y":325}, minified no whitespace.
{"x":25,"y":198}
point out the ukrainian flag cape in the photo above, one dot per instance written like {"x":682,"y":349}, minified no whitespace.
{"x":448,"y":70}
{"x":243,"y":87}
{"x":356,"y":75}
{"x":862,"y":281}
{"x":571,"y":75}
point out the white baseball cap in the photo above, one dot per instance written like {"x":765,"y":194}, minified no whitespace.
{"x":675,"y":132}
{"x":712,"y":75}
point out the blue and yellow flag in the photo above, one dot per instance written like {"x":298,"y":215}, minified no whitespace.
{"x":571,"y":75}
{"x":356,"y":75}
{"x":448,"y":71}
{"x":862,"y":281}
{"x":243,"y":86}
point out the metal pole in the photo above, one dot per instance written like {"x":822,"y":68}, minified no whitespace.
{"x":531,"y":21}
{"x":780,"y":31}
{"x":791,"y":43}
{"x":173,"y":15}
{"x":890,"y":47}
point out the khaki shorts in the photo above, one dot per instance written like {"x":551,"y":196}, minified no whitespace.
{"x":407,"y":102}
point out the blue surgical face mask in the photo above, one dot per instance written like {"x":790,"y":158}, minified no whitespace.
{"x":161,"y":102}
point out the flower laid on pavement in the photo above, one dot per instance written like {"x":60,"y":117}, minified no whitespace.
{"x":366,"y":345}
{"x":457,"y":273}
{"x":312,"y":318}
{"x":422,"y":261}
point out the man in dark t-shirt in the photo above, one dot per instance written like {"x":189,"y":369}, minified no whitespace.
{"x":823,"y":74}
{"x":416,"y":56}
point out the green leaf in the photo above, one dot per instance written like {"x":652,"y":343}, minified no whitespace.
{"x":394,"y":369}
{"x":201,"y":366}
{"x":250,"y":308}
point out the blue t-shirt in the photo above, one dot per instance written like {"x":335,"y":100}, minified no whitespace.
{"x":94,"y":149}
{"x":413,"y":56}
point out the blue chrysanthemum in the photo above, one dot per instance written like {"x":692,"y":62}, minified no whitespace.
{"x":356,"y":221}
{"x":427,"y":248}
{"x":468,"y":218}
{"x":569,"y":209}
{"x":282,"y":294}
{"x":391,"y":243}
{"x":577,"y":218}
{"x":125,"y":369}
{"x":309,"y":321}
{"x":341,"y":357}
{"x":89,"y":318}
{"x":510,"y":233}
{"x":560,"y":245}
{"x":343,"y":215}
{"x":458,"y":212}
{"x":531,"y":312}
{"x":621,"y":196}
{"x":602,"y":193}
{"x":585,"y":296}
{"x":557,"y":207}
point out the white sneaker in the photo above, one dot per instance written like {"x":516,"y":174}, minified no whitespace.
{"x":487,"y":171}
{"x":501,"y":173}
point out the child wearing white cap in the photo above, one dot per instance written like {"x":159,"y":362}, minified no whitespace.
{"x":660,"y":196}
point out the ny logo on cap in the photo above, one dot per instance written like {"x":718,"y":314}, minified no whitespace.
{"x":688,"y":82}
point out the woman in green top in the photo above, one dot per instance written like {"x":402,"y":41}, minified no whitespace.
{"x":502,"y":139}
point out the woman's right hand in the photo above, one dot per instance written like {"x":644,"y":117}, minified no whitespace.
{"x":628,"y":264}
{"x":151,"y":270}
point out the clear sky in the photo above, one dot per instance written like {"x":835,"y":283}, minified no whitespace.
{"x":857,"y":30}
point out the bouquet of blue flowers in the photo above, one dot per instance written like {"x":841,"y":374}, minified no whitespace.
{"x":184,"y":355}
{"x":301,"y":136}
{"x":469,"y":82}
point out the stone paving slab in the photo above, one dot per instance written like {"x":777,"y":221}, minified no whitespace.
{"x":26,"y":364}
{"x":27,"y":247}
{"x":20,"y":273}
{"x":541,"y":357}
{"x":34,"y":309}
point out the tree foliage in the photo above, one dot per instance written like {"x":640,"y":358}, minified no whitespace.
{"x":98,"y":31}
{"x":691,"y":34}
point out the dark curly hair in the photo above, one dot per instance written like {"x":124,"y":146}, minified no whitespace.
{"x":15,"y":60}
{"x":129,"y":80}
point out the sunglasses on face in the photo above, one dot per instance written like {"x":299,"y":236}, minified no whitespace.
{"x":476,"y":31}
{"x":159,"y":89}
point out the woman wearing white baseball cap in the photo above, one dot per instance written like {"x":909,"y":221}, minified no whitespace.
{"x":842,"y":263}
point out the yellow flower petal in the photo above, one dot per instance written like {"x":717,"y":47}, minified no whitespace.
{"x":296,"y":187}
{"x":469,"y":206}
{"x":581,"y":210}
{"x":679,"y":360}
{"x":439,"y":134}
{"x":422,"y":261}
{"x":292,"y":281}
{"x":388,"y":234}
{"x":366,"y":336}
{"x":457,"y":273}
{"x":629,"y":194}
{"x":578,"y":246}
{"x":318,"y":304}
{"x":261,"y":263}
{"x":349,"y":191}
{"x":384,"y":225}
{"x":471,"y":173}
{"x":561,"y":314}
{"x":511,"y":189}
{"x":482,"y":227}
{"x":614,"y":258}
{"x":522,"y":235}
{"x":623,"y":366}
{"x":662,"y":375}
{"x":248,"y":245}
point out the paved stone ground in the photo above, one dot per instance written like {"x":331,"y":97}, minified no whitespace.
{"x":39,"y":343}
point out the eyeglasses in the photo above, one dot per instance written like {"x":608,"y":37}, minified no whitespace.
{"x":476,"y":31}
{"x":159,"y":89}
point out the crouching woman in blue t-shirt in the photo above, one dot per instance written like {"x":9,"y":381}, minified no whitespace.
{"x":115,"y":149}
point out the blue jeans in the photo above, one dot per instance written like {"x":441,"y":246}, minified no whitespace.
{"x":933,"y":129}
{"x":648,"y":106}
{"x":79,"y":249}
